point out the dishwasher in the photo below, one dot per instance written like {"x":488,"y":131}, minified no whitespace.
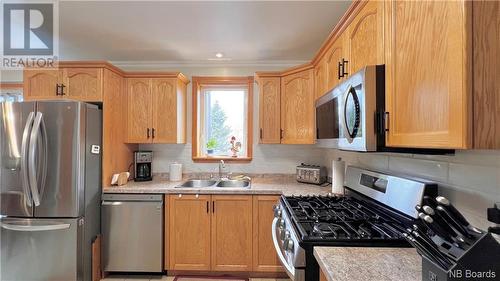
{"x":132,"y":229}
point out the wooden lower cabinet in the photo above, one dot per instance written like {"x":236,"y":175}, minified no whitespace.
{"x":265,"y":258}
{"x":220,"y":233}
{"x":188,"y":232}
{"x":322,"y":276}
{"x":231,"y":233}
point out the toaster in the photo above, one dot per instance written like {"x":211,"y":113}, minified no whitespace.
{"x":311,"y":174}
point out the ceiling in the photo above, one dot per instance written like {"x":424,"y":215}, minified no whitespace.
{"x":244,"y":31}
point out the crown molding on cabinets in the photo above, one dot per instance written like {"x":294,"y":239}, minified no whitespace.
{"x":205,"y":63}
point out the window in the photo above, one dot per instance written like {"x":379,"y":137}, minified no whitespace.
{"x":222,"y":118}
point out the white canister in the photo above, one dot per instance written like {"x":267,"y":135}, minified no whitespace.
{"x":338,"y":172}
{"x":175,"y":172}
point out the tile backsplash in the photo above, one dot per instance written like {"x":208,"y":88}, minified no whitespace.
{"x":470,"y":178}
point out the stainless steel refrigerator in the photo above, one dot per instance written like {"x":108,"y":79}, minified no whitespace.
{"x":50,"y":189}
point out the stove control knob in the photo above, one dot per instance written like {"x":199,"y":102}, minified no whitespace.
{"x":281,"y":223}
{"x":277,"y":211}
{"x":288,"y":245}
{"x":285,"y":234}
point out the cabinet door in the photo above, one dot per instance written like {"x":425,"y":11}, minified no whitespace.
{"x":365,"y":37}
{"x":265,"y":258}
{"x":165,"y":110}
{"x":426,"y":74}
{"x":232,"y":233}
{"x":297,"y":108}
{"x":83,"y":84}
{"x":139,"y":110}
{"x":333,"y":57}
{"x":188,"y":232}
{"x":320,"y":79}
{"x":41,"y":84}
{"x":269,"y":106}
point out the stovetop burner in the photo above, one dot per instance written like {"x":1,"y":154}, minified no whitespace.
{"x":338,"y":218}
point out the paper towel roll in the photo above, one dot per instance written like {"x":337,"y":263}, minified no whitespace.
{"x":338,"y":171}
{"x":175,"y":172}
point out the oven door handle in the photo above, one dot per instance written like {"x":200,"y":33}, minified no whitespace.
{"x":288,"y":268}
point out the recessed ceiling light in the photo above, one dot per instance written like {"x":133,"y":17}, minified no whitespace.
{"x":219,"y":55}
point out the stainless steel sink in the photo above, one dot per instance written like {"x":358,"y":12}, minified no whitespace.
{"x":233,"y":183}
{"x":215,"y":184}
{"x":197,"y":184}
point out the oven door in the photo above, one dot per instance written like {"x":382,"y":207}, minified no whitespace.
{"x":286,"y":258}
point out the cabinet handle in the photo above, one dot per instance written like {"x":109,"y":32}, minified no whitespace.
{"x":62,"y":90}
{"x":147,"y":133}
{"x":207,"y":207}
{"x":386,"y":121}
{"x":260,"y":133}
{"x":153,"y":133}
{"x":344,"y":63}
{"x":213,"y":206}
{"x":281,"y":133}
{"x":340,"y":71}
{"x":57,"y":89}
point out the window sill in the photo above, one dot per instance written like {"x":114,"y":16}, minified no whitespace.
{"x":218,"y":158}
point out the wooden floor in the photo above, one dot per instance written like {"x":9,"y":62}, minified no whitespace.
{"x":166,"y":278}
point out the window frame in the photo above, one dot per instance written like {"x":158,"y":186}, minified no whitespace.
{"x":208,"y":81}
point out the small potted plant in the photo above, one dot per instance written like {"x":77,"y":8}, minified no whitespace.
{"x":211,"y":144}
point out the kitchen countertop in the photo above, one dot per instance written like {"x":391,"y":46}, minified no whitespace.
{"x":365,"y":263}
{"x":264,"y":185}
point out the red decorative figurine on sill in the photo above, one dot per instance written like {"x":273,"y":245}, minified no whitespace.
{"x":235,"y":146}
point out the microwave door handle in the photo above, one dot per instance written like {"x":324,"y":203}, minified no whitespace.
{"x":32,"y":158}
{"x":347,"y":134}
{"x":24,"y":160}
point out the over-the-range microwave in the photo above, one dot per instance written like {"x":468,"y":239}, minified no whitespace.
{"x":352,"y":115}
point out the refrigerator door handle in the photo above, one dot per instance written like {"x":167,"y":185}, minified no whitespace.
{"x":32,"y":158}
{"x":28,"y":227}
{"x":24,"y":160}
{"x":45,"y":155}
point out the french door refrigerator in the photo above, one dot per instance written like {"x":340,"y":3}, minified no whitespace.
{"x":50,"y":189}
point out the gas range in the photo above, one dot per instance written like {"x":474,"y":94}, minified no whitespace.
{"x":341,"y":219}
{"x":375,"y":211}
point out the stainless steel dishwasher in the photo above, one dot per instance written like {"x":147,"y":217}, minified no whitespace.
{"x":132,"y":226}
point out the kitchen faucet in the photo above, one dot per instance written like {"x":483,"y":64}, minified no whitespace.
{"x":224,"y":172}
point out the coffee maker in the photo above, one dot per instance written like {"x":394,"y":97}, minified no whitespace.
{"x":142,"y":165}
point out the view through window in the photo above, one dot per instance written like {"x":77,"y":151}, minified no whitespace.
{"x":224,"y":120}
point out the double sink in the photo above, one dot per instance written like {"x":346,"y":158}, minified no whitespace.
{"x":215,"y":184}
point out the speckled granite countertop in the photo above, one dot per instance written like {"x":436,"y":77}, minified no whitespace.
{"x":365,"y":263}
{"x":263,"y":184}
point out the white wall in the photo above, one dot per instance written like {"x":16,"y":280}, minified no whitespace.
{"x":470,"y":178}
{"x":266,"y":158}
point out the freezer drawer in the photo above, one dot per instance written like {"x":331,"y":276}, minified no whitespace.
{"x":132,"y":227}
{"x":41,"y":249}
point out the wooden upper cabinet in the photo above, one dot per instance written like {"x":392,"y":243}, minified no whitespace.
{"x":332,"y":60}
{"x":165,"y":101}
{"x":139,"y":110}
{"x":269,"y":109}
{"x":188,"y":233}
{"x":265,"y":258}
{"x":83,"y":84}
{"x":156,"y":110}
{"x":297,"y":108}
{"x":320,"y":78}
{"x":365,"y":37}
{"x":41,"y":84}
{"x":231,"y":233}
{"x":426,"y":74}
